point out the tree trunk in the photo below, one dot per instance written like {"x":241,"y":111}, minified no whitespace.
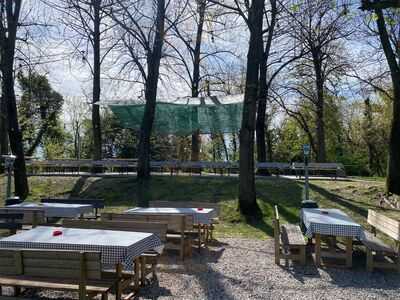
{"x":393,"y":174}
{"x":263,"y":94}
{"x":153,"y":67}
{"x":196,"y":141}
{"x":320,"y":108}
{"x":3,"y":126}
{"x":96,"y":125}
{"x":247,"y":190}
{"x":7,"y":68}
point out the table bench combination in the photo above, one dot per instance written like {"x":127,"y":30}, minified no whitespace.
{"x":289,"y":241}
{"x":60,"y":270}
{"x":57,"y":210}
{"x":96,"y":204}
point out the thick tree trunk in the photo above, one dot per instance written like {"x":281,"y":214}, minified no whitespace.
{"x":393,"y":174}
{"x":7,"y":54}
{"x":247,"y":190}
{"x":153,"y":67}
{"x":196,"y":141}
{"x":263,"y":94}
{"x":320,"y":108}
{"x":3,"y":127}
{"x":96,"y":123}
{"x":14,"y":132}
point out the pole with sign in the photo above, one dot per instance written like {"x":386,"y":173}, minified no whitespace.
{"x":9,"y":166}
{"x":306,"y":151}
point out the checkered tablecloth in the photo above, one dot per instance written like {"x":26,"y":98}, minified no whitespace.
{"x":115,"y":246}
{"x":200,"y":215}
{"x":334,"y":222}
{"x":57,"y":210}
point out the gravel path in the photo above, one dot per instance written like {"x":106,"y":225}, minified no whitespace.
{"x":245,"y":269}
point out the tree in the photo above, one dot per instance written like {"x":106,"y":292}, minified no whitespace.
{"x":39,"y":109}
{"x":389,"y":48}
{"x":9,"y":22}
{"x":319,"y":27}
{"x":86,"y":20}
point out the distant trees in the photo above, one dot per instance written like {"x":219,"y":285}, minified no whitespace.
{"x":39,"y":110}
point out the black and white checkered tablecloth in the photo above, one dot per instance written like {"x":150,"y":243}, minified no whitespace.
{"x":334,"y":222}
{"x":200,"y":215}
{"x":115,"y":246}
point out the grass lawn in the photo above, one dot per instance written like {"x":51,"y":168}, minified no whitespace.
{"x":353,"y":196}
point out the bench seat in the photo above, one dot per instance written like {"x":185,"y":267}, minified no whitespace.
{"x":292,"y":235}
{"x":100,"y":287}
{"x":375,"y":244}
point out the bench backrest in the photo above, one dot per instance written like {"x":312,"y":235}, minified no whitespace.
{"x":384,"y":224}
{"x":175,"y":222}
{"x":30,"y":216}
{"x":96,"y":203}
{"x":160,"y":229}
{"x":185,"y":204}
{"x":58,"y":264}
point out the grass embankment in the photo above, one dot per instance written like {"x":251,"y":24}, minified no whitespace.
{"x":354,"y":197}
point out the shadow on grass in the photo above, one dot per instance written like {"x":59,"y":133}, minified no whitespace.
{"x":358,"y":208}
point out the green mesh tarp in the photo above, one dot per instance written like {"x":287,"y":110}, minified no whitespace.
{"x":184,"y":119}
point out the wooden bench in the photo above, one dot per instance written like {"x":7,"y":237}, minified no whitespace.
{"x":11,"y":221}
{"x":379,"y":254}
{"x":177,"y":226}
{"x":193,"y":204}
{"x":289,"y":241}
{"x":147,"y":258}
{"x":95,"y":203}
{"x":59,"y":270}
{"x":31,"y":216}
{"x":276,"y":167}
{"x":335,"y":170}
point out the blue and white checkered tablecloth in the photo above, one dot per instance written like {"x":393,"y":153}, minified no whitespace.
{"x":332,"y":222}
{"x":200,"y":215}
{"x":115,"y":246}
{"x":57,"y":210}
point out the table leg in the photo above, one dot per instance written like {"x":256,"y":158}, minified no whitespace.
{"x":143,"y":270}
{"x":349,"y":252}
{"x":136,"y":274}
{"x":318,"y":249}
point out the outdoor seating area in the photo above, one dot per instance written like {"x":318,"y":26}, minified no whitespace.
{"x":70,"y":250}
{"x":175,"y":167}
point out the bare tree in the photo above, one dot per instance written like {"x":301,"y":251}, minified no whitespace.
{"x":9,"y":22}
{"x":389,"y":45}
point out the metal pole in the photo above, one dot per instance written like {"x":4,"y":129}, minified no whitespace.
{"x":8,"y":192}
{"x":306,"y":177}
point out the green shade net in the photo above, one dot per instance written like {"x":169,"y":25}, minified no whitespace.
{"x":183,"y":119}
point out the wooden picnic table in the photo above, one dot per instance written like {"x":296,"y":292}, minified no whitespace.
{"x":200,"y":215}
{"x":332,"y":223}
{"x":57,"y":210}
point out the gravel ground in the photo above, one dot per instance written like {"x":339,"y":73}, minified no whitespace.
{"x":245,"y":269}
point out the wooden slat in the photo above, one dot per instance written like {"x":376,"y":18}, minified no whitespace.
{"x":59,"y":254}
{"x":384,"y":224}
{"x":64,"y":264}
{"x":375,"y":244}
{"x":160,"y":229}
{"x":292,"y":235}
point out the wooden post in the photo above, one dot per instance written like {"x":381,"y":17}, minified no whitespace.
{"x":277,"y":237}
{"x":302,"y":253}
{"x":183,"y":221}
{"x":349,"y":252}
{"x":82,"y":280}
{"x":370,"y":260}
{"x":136,"y":274}
{"x":118,"y":289}
{"x":35,"y":219}
{"x":398,"y":255}
{"x":318,"y":249}
{"x":143,"y":270}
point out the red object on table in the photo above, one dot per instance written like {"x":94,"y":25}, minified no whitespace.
{"x":200,"y":208}
{"x":57,"y":232}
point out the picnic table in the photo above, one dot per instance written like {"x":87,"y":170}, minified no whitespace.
{"x":115,"y":246}
{"x":57,"y":210}
{"x":202,"y":216}
{"x":331,"y":223}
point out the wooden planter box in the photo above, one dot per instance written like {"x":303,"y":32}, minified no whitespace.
{"x":387,"y":225}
